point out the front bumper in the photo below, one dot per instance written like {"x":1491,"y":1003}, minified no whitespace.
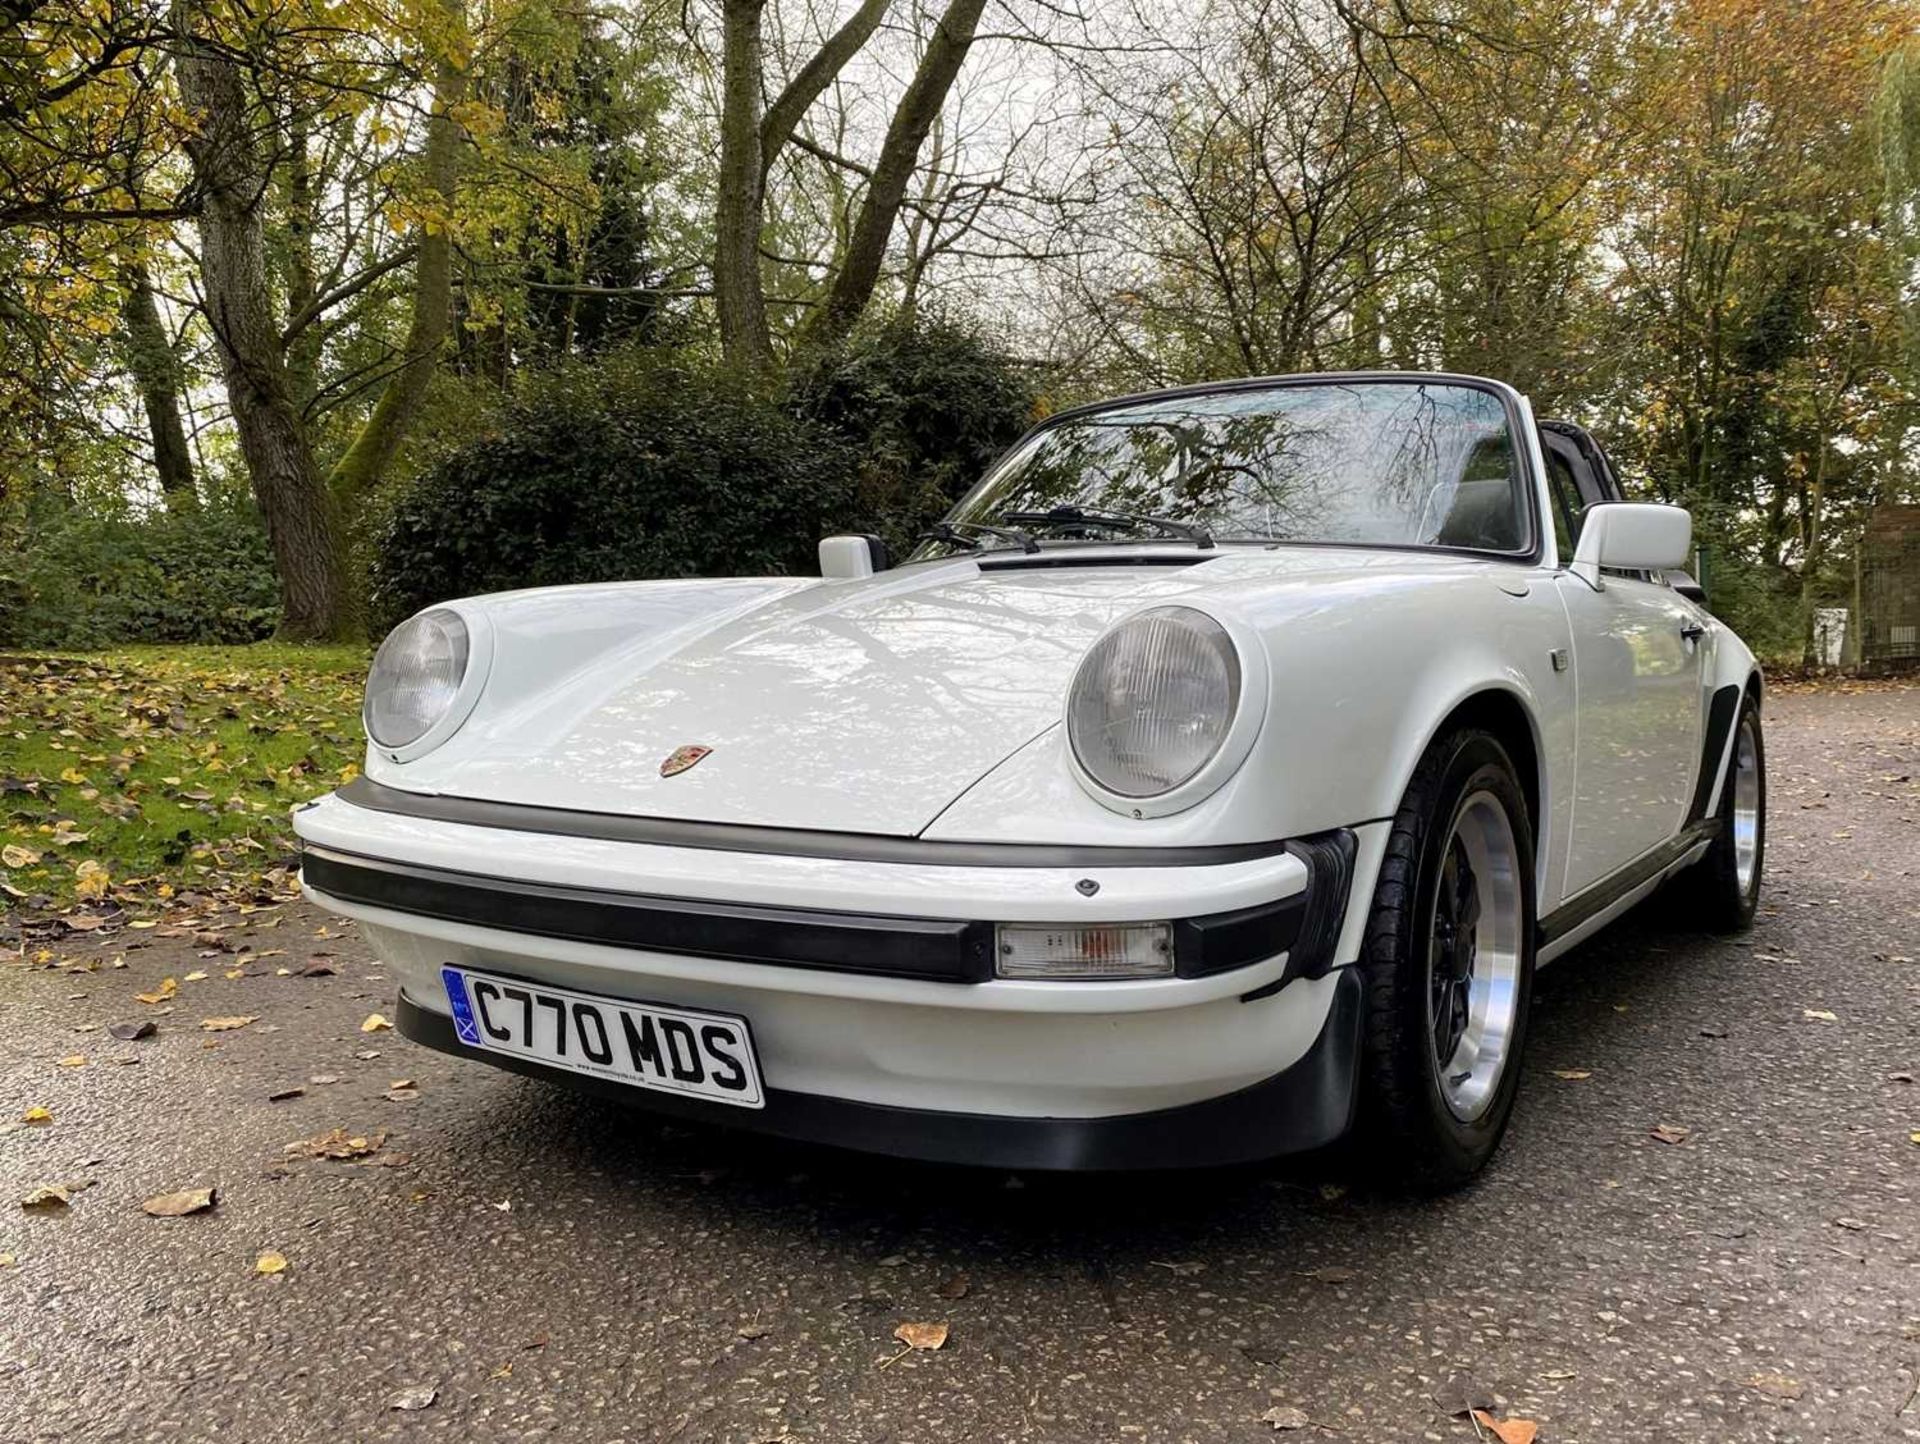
{"x":875,"y":1015}
{"x":1304,"y":1106}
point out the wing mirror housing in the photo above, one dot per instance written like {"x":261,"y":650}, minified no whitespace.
{"x":1631,"y":536}
{"x":848,"y":558}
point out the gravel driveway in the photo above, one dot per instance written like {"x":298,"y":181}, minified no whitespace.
{"x":520,"y":1263}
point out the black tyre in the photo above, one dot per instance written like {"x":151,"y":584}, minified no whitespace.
{"x":1722,"y":890}
{"x":1448,"y":967}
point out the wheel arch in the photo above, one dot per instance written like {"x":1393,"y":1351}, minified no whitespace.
{"x":1504,"y":713}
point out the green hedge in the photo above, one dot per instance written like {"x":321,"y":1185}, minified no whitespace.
{"x":84,"y":580}
{"x":658,"y":464}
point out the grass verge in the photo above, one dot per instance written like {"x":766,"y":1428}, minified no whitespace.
{"x":130,"y":777}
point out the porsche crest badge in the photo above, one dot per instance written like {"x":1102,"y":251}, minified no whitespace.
{"x":681,"y":758}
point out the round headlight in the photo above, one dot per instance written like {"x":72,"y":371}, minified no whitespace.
{"x":416,"y":676}
{"x":1153,"y":701}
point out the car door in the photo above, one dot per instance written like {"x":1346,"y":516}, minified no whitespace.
{"x":1639,"y":663}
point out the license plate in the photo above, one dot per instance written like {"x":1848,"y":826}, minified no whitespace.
{"x":672,"y":1050}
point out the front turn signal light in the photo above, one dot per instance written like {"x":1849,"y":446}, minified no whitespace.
{"x":1072,"y":952}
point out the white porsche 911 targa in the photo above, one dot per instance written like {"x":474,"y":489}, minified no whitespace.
{"x":1208,"y":784}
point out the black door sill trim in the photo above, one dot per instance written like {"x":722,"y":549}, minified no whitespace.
{"x":1305,"y":1106}
{"x":1608,"y":891}
{"x":784,"y":841}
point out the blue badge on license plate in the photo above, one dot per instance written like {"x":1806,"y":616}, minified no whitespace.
{"x":463,"y":1025}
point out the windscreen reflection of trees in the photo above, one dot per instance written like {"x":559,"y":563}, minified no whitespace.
{"x":1373,"y":463}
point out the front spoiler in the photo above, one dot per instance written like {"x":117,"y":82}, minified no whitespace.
{"x":1305,"y":1106}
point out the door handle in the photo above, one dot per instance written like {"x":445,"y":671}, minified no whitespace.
{"x":1692,"y":631}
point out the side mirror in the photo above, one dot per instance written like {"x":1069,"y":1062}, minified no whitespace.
{"x":1631,"y":536}
{"x":848,"y":558}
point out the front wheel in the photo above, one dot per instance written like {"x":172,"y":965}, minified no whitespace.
{"x":1448,"y":966}
{"x":1729,"y":874}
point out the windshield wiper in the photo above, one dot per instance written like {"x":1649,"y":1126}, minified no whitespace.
{"x":1065,"y":516}
{"x":950,"y":532}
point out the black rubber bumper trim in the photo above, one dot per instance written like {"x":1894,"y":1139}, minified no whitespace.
{"x":939,"y":950}
{"x":1720,"y":714}
{"x":785,"y":841}
{"x":1305,"y":1106}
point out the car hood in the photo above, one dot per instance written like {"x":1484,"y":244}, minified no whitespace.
{"x":863,"y":706}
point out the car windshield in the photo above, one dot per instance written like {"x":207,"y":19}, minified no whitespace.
{"x":1384,"y":463}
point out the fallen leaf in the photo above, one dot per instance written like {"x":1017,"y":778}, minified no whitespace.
{"x":196,"y":977}
{"x":131,"y":1032}
{"x":754,"y":1331}
{"x":1572,"y":1075}
{"x":179,"y":1205}
{"x":270,"y":1262}
{"x":505,"y":1205}
{"x":957,"y":1287}
{"x":337,"y":1143}
{"x":1285,"y":1416}
{"x":374,"y":1024}
{"x":921,"y":1336}
{"x":6,"y":1260}
{"x":1778,"y":1385}
{"x":1462,"y":1395}
{"x":164,"y":993}
{"x":318,"y":968}
{"x":74,"y":1060}
{"x":322,"y":1079}
{"x":1669,"y":1132}
{"x":91,"y":881}
{"x":48,"y":1198}
{"x":14,"y":855}
{"x":285,"y":1094}
{"x":1819,"y":1015}
{"x":420,"y":1396}
{"x":227,"y":1025}
{"x":399,"y":1083}
{"x":1899,"y":1077}
{"x":1508,"y":1431}
{"x":1180,"y":1268}
{"x":37,"y":1115}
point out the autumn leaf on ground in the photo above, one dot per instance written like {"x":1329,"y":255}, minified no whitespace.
{"x":1572,"y":1075}
{"x":179,"y":1205}
{"x":922,"y":1336}
{"x":131,"y":1032}
{"x":90,"y":881}
{"x":412,"y":1400}
{"x":1285,"y":1416}
{"x":48,"y":1198}
{"x":196,"y":976}
{"x":337,"y":1143}
{"x":374,"y":1024}
{"x":1819,"y":1015}
{"x":1778,"y":1385}
{"x":162,"y":994}
{"x":957,"y":1287}
{"x":1508,"y":1431}
{"x":14,"y":855}
{"x":228,"y":1024}
{"x":37,"y":1115}
{"x":73,"y":1060}
{"x":1669,"y":1132}
{"x":270,"y":1262}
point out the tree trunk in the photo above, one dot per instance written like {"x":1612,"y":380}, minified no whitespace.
{"x":155,"y":368}
{"x":373,"y":449}
{"x":303,"y":350}
{"x":1810,"y":563}
{"x":740,"y":204}
{"x":926,"y":94}
{"x":314,"y":599}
